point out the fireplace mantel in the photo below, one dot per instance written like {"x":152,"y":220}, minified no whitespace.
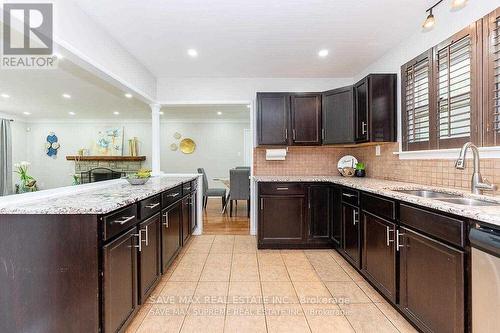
{"x":107,"y":158}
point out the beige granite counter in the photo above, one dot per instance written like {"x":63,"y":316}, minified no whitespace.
{"x":95,"y":198}
{"x":488,"y":214}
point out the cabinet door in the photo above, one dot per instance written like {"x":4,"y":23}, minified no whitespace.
{"x":379,"y":255}
{"x":431,"y":283}
{"x":350,"y":226}
{"x":149,"y":256}
{"x":306,"y":119}
{"x":281,"y":219}
{"x":186,"y":223}
{"x":120,"y":280}
{"x":361,"y":111}
{"x":336,"y":220}
{"x":171,"y":234}
{"x":338,"y":116}
{"x":319,"y":206}
{"x":273,"y":113}
{"x":382,"y":108}
{"x":193,"y":216}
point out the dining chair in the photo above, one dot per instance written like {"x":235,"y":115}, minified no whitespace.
{"x":239,"y":180}
{"x":211,"y":192}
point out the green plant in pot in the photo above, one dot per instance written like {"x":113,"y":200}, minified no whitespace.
{"x":26,"y":182}
{"x":360,"y":170}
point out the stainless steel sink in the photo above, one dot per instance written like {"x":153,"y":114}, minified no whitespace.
{"x":428,"y":194}
{"x":468,"y":202}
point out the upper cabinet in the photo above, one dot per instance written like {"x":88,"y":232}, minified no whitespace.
{"x":338,"y":106}
{"x":365,"y":112}
{"x":375,"y":109}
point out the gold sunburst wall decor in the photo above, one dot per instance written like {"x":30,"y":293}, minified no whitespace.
{"x":187,"y":146}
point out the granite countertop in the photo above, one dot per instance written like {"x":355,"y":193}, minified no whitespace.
{"x":95,"y":198}
{"x":488,"y":214}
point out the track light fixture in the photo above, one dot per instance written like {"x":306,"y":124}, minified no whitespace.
{"x":430,"y":20}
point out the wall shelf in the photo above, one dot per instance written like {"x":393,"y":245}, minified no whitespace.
{"x":106,"y":158}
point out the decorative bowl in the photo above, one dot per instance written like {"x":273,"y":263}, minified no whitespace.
{"x":137,"y":181}
{"x":348,"y":172}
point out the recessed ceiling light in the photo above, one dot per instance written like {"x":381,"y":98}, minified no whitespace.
{"x":116,"y":113}
{"x":71,"y":113}
{"x":161,"y":113}
{"x":5,"y":96}
{"x":67,"y":96}
{"x":26,"y":113}
{"x":323,"y":53}
{"x":219,"y":113}
{"x":192,"y":53}
{"x":248,"y":106}
{"x":128,"y":95}
{"x":458,"y":4}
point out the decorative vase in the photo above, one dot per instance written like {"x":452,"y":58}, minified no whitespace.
{"x":360,"y":173}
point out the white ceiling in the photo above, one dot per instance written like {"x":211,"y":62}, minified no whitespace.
{"x":237,"y":112}
{"x":257,"y":38}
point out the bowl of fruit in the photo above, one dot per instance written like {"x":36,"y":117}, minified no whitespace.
{"x":141,"y":177}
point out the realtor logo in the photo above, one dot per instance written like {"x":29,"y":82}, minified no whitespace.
{"x":27,"y":36}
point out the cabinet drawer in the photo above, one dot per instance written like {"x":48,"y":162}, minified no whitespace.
{"x":433,"y":224}
{"x":281,"y":188}
{"x":187,"y":188}
{"x":379,"y":206}
{"x":350,"y":196}
{"x":148,"y":207}
{"x":171,"y":196}
{"x":119,"y":221}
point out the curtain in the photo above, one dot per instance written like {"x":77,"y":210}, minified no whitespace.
{"x":5,"y":157}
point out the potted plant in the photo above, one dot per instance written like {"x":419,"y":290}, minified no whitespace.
{"x":360,"y":170}
{"x":26,"y":182}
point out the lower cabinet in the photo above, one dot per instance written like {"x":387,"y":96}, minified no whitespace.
{"x":193,"y":216}
{"x":120,"y":280}
{"x":351,"y":234}
{"x":379,"y":254}
{"x":336,"y":217}
{"x":171,"y":233}
{"x":149,"y":256}
{"x":186,"y":219}
{"x":320,"y":204}
{"x":431,"y":283}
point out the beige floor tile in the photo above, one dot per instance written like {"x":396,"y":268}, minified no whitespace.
{"x":270,"y":258}
{"x":244,"y":272}
{"x":216,"y":272}
{"x":245,"y":245}
{"x":347,"y":292}
{"x":396,"y":319}
{"x":161,"y":324}
{"x":194,"y":258}
{"x":237,"y":288}
{"x":189,"y":273}
{"x":326,"y":318}
{"x":302,"y":273}
{"x":211,"y":293}
{"x":175,"y":294}
{"x":139,"y":317}
{"x":279,"y":292}
{"x":273,"y":273}
{"x":222,"y":247}
{"x":244,"y":324}
{"x":353,"y":273}
{"x":366,"y":317}
{"x":332,"y":273}
{"x":219,"y":258}
{"x":295,"y":258}
{"x":197,"y":323}
{"x":370,"y":292}
{"x":245,"y":258}
{"x":288,"y":324}
{"x":199,"y":247}
{"x":312,"y":292}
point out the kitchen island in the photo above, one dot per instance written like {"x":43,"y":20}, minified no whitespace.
{"x":84,"y":258}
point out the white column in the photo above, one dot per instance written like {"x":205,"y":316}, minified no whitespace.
{"x":155,"y":139}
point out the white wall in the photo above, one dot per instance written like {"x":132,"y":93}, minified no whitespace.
{"x":56,"y":172}
{"x":200,"y":90}
{"x":219,"y":147}
{"x":447,"y":24}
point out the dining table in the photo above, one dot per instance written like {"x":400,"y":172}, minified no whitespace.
{"x":226,"y":182}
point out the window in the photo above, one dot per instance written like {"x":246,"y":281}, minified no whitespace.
{"x":491,"y":70}
{"x":439,"y":99}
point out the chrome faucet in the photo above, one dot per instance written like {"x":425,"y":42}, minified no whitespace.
{"x":477,"y":185}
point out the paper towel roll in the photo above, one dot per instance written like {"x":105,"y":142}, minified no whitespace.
{"x":275,"y":154}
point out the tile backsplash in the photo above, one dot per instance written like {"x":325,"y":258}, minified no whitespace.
{"x":323,"y":161}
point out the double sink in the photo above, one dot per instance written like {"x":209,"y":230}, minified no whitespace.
{"x":450,"y":198}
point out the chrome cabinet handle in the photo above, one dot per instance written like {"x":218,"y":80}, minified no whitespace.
{"x":286,"y":134}
{"x":398,"y":245}
{"x":188,"y":188}
{"x":388,"y":230}
{"x":153,"y":206}
{"x":173,"y":195}
{"x":261,"y":203}
{"x":281,"y":188}
{"x":364,"y":127}
{"x":146,"y":230}
{"x":293,"y":134}
{"x":348,"y":195}
{"x":139,"y":244}
{"x":323,"y":133}
{"x":354,"y":219}
{"x":166,"y":220}
{"x":125,"y":219}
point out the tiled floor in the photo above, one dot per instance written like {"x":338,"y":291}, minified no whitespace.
{"x":222,"y":283}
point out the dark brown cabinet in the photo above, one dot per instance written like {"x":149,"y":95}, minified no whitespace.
{"x":338,"y":116}
{"x":432,"y":286}
{"x":320,"y":204}
{"x":171,"y":233}
{"x":273,"y":118}
{"x":120,"y":280}
{"x":351,"y":233}
{"x":149,"y":256}
{"x":379,"y":254}
{"x":306,"y":119}
{"x":186,"y":219}
{"x":336,"y":218}
{"x":375,"y":109}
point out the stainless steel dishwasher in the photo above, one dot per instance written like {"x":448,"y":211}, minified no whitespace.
{"x":485,"y":242}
